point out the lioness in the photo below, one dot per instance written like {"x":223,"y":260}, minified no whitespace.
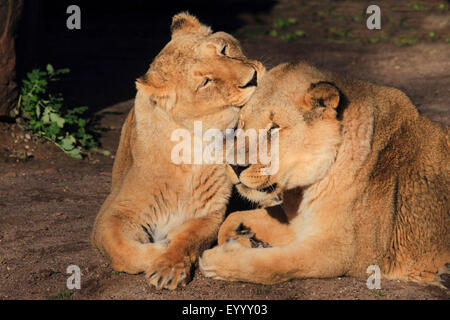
{"x":364,"y":180}
{"x":159,"y":215}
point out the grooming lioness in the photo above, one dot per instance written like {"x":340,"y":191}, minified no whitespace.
{"x":160,"y":215}
{"x":364,"y":180}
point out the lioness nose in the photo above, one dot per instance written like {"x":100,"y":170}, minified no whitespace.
{"x":238,"y":169}
{"x":253,"y":81}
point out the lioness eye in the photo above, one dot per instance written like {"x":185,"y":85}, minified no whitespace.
{"x":274,"y":126}
{"x":224,"y":50}
{"x":206,"y":81}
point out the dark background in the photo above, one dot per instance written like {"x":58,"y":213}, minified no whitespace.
{"x":116,"y":43}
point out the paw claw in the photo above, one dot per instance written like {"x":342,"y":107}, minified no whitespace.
{"x":165,"y":274}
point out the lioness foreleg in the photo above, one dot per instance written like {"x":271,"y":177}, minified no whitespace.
{"x":267,"y":225}
{"x":186,"y":244}
{"x":301,"y":259}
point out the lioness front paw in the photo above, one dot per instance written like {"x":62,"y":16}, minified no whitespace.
{"x":246,"y":237}
{"x":220,"y":262}
{"x":168,"y":272}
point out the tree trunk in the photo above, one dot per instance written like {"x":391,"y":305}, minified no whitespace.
{"x":10,"y":11}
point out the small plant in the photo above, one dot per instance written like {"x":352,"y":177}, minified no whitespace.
{"x":300,"y":33}
{"x":382,"y":37}
{"x":417,"y":6}
{"x":322,"y":14}
{"x":284,"y":23}
{"x":342,"y":33}
{"x":379,"y":293}
{"x":293,"y":36}
{"x":44,"y":114}
{"x":405,"y":41}
{"x":65,"y":294}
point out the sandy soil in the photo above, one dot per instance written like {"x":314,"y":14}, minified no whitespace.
{"x":48,"y":201}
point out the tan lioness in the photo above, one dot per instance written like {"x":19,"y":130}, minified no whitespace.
{"x":160,"y":215}
{"x":364,"y":180}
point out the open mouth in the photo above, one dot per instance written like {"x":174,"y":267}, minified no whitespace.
{"x":268,"y":189}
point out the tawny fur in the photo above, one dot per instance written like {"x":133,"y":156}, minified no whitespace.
{"x":364,"y":181}
{"x":159,"y":215}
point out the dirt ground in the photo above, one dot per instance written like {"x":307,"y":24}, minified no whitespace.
{"x":48,"y":201}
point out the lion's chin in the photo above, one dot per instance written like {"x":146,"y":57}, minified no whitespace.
{"x":266,"y":195}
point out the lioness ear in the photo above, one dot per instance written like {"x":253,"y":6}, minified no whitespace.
{"x":321,"y":94}
{"x":156,"y":89}
{"x":186,"y":23}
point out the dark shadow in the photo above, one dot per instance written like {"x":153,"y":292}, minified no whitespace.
{"x":278,"y":213}
{"x":238,"y":203}
{"x":116,"y":43}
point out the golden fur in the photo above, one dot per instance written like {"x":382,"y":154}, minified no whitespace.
{"x":159,"y":216}
{"x":364,"y":180}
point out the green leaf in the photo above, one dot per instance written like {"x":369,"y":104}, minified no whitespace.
{"x":46,"y":115}
{"x":288,"y":36}
{"x":63,"y":71}
{"x":75,"y":153}
{"x":292,"y":21}
{"x":52,"y":130}
{"x":54,"y":117}
{"x":105,"y":152}
{"x":300,"y":33}
{"x":78,"y":110}
{"x":50,"y":69}
{"x":68,"y":142}
{"x":82,"y":122}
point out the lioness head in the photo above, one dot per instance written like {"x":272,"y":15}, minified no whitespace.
{"x":200,"y":75}
{"x":301,"y":108}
